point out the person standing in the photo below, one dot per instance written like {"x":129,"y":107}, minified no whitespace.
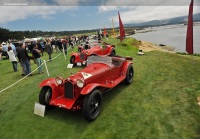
{"x":39,"y":46}
{"x":49,"y":49}
{"x":24,"y":59}
{"x":12,"y":58}
{"x":36,"y":55}
{"x":0,"y":53}
{"x":64,"y":44}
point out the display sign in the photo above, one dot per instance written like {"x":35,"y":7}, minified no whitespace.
{"x":39,"y":109}
{"x":69,"y":66}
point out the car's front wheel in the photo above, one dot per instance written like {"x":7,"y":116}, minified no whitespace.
{"x":129,"y":75}
{"x":91,"y":105}
{"x":45,"y":96}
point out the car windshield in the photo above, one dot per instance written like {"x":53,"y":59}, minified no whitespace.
{"x":98,"y":59}
{"x":111,"y":61}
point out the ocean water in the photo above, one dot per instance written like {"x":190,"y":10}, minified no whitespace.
{"x":171,"y":35}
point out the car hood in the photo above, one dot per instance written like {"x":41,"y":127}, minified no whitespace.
{"x":91,"y":72}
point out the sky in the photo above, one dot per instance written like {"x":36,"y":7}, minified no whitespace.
{"x":69,"y":15}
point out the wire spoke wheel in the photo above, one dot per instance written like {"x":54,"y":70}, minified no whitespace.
{"x":45,"y":96}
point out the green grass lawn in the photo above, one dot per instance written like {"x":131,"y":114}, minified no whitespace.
{"x":161,"y":103}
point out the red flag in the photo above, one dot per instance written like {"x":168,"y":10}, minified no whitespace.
{"x":121,"y":28}
{"x":189,"y":36}
{"x":104,"y":31}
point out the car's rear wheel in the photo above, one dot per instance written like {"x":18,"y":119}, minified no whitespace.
{"x":112,"y":52}
{"x":91,"y":105}
{"x":45,"y":96}
{"x":72,"y":59}
{"x":129,"y":75}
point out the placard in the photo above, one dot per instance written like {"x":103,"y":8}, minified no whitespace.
{"x":69,"y":66}
{"x":39,"y":109}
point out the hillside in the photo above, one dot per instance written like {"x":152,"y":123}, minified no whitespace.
{"x":176,"y":20}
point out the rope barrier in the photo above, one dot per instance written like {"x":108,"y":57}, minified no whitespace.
{"x":36,"y":69}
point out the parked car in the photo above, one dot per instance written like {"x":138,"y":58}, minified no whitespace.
{"x":84,"y":89}
{"x":88,"y":44}
{"x":81,"y":57}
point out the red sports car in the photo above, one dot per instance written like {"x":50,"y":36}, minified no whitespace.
{"x":88,"y":44}
{"x":105,"y":50}
{"x":84,"y":89}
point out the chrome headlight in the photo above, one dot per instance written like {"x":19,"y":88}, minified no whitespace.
{"x":59,"y":80}
{"x":80,"y":83}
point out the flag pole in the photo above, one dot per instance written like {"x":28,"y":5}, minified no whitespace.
{"x":113,"y":29}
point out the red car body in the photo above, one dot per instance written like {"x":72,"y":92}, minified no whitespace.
{"x":84,"y":89}
{"x":105,"y":50}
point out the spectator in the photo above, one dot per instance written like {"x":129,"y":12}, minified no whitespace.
{"x":12,"y":58}
{"x":0,"y":53}
{"x":36,"y":55}
{"x":49,"y":49}
{"x":23,"y":73}
{"x":24,"y":59}
{"x":56,"y":45}
{"x":60,"y":45}
{"x":70,"y":43}
{"x":39,"y":47}
{"x":42,"y":44}
{"x":53,"y":44}
{"x":64,"y":43}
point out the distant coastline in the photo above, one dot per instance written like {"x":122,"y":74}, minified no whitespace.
{"x":173,"y":36}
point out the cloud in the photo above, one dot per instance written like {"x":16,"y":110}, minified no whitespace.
{"x":148,"y":3}
{"x":137,"y":14}
{"x":11,"y":13}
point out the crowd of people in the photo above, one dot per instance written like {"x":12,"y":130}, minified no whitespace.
{"x":34,"y":50}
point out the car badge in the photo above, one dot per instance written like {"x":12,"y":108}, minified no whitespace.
{"x":86,"y":75}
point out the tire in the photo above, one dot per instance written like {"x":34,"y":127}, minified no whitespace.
{"x":113,"y":52}
{"x":72,"y":60}
{"x":91,"y":105}
{"x":45,"y":96}
{"x":129,"y":75}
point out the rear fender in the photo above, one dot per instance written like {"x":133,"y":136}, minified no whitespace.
{"x":110,"y":48}
{"x":86,"y":90}
{"x":125,"y":67}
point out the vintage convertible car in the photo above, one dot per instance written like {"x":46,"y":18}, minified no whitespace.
{"x":81,"y":57}
{"x":88,"y":44}
{"x":84,"y":89}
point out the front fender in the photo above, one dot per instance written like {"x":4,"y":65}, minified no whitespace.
{"x":56,"y":89}
{"x":48,"y":82}
{"x":86,"y":90}
{"x":74,"y":54}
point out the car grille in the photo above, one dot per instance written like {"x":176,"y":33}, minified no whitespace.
{"x":82,"y":56}
{"x":69,"y":90}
